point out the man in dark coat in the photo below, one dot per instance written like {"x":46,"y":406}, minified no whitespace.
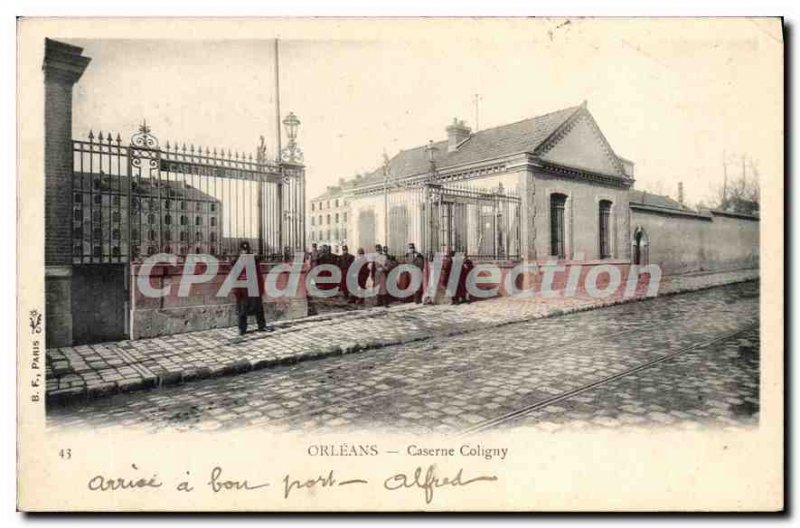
{"x":363,"y":275}
{"x":246,"y":304}
{"x":345,"y":261}
{"x":418,"y":261}
{"x":462,"y":295}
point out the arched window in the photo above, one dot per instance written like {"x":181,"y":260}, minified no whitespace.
{"x":557,"y":230}
{"x":604,"y":231}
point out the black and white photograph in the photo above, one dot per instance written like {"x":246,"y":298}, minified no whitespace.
{"x":454,"y":231}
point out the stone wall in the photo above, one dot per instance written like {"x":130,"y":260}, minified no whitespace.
{"x":687,"y":242}
{"x":202,"y":309}
{"x":99,"y":303}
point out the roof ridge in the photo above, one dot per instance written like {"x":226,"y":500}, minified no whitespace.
{"x":573,"y":108}
{"x":539,"y":116}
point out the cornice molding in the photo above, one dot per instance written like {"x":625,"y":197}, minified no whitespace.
{"x":63,"y":63}
{"x":583,"y":174}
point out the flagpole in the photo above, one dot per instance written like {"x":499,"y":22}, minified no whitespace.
{"x":278,"y":154}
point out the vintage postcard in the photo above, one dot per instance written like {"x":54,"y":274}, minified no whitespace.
{"x":523,"y":264}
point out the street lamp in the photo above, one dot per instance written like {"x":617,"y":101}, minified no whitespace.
{"x":292,"y":153}
{"x":291,"y":123}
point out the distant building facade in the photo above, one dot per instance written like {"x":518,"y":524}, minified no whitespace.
{"x":328,"y":216}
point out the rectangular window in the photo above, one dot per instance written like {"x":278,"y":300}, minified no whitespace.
{"x":604,"y":232}
{"x":557,"y":231}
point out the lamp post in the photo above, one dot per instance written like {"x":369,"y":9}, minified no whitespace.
{"x":292,"y":154}
{"x":431,"y":150}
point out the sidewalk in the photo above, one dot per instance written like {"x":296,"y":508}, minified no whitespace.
{"x":91,"y":371}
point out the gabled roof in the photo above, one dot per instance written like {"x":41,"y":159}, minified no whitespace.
{"x":505,"y":140}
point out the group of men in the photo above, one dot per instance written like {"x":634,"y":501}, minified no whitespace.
{"x":382,"y":263}
{"x":377,"y":269}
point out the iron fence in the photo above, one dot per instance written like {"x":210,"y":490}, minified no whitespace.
{"x":138,"y":199}
{"x":457,"y":216}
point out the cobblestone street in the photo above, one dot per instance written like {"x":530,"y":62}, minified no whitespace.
{"x":99,"y":370}
{"x":688,"y":360}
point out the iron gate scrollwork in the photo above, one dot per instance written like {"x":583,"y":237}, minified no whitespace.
{"x":134,"y":200}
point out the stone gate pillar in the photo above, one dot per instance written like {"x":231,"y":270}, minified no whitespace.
{"x":63,"y":66}
{"x":526,"y":189}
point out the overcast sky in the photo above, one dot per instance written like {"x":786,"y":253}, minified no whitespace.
{"x":671,"y":96}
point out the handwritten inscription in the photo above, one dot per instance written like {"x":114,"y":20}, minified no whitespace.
{"x":218,"y":484}
{"x":431,"y":481}
{"x":327,"y":481}
{"x":116,"y":483}
{"x":427,"y":479}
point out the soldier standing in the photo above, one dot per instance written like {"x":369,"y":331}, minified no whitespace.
{"x":462,"y":295}
{"x":378,"y":272}
{"x":345,"y":261}
{"x":247,"y":304}
{"x":363,"y":275}
{"x":418,"y":261}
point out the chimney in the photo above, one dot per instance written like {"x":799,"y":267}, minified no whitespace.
{"x":680,"y":193}
{"x":456,"y":133}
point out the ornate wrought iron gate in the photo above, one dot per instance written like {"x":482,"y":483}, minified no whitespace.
{"x":134,"y":200}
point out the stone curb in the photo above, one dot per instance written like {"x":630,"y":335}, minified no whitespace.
{"x":150,"y":380}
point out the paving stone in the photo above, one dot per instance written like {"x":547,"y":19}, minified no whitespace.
{"x":450,"y":383}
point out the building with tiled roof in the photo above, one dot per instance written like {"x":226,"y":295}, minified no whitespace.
{"x":548,"y":187}
{"x":562,"y":152}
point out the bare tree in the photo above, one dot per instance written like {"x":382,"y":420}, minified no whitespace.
{"x":740,"y":193}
